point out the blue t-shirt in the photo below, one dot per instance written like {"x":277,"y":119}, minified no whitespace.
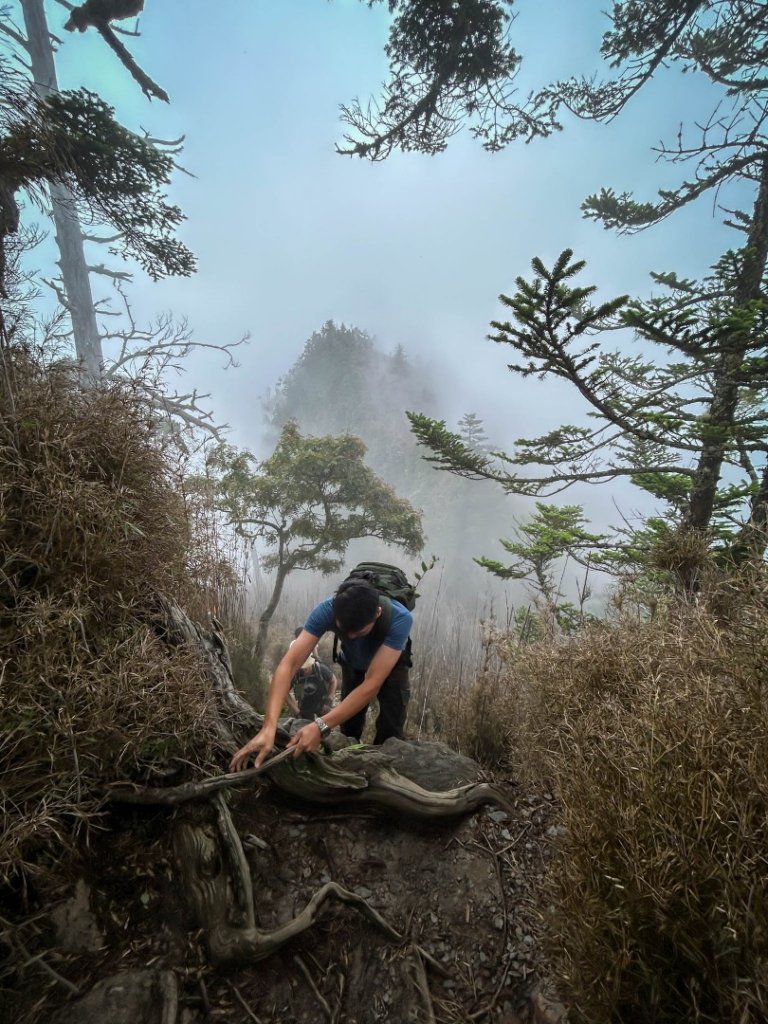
{"x":359,"y":653}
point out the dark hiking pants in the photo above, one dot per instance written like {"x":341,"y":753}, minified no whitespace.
{"x":393,"y":703}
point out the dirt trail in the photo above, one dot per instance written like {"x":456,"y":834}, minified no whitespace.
{"x":461,"y":892}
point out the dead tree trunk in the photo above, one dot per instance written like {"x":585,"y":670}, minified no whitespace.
{"x":69,"y":238}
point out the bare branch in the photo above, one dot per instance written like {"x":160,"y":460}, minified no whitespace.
{"x":84,"y":16}
{"x":58,"y":288}
{"x":13,"y":34}
{"x":116,"y":275}
{"x":148,"y":86}
{"x":171,"y":145}
{"x":101,"y":239}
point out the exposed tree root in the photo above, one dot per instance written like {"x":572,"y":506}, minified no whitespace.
{"x":210,"y":891}
{"x":236,"y":719}
{"x":241,"y":874}
{"x":171,"y":796}
{"x":320,"y":781}
{"x":393,"y":792}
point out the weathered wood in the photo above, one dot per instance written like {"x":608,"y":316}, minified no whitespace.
{"x":241,"y":874}
{"x":171,"y":796}
{"x":73,"y":264}
{"x":208,"y":887}
{"x":366,"y":776}
{"x":331,"y":779}
{"x":236,"y":721}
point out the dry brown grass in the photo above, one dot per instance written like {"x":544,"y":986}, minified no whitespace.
{"x":92,"y":528}
{"x":655,"y":734}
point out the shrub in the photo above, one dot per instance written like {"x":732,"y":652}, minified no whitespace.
{"x":92,"y":528}
{"x":655,"y":734}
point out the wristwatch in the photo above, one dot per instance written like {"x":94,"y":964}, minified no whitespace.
{"x":325,"y":729}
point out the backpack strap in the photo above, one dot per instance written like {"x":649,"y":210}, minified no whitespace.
{"x":317,"y":673}
{"x":379,"y":632}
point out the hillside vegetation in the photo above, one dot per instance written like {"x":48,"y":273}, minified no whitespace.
{"x":93,"y":529}
{"x":654,"y":734}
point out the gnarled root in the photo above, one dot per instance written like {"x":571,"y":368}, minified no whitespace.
{"x":319,"y":779}
{"x":209,"y":886}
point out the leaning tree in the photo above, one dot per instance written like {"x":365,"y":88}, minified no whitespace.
{"x":306,"y":502}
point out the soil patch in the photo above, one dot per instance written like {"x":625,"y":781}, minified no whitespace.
{"x":463,"y":892}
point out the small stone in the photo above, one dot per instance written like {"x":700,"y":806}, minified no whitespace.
{"x":364,"y":892}
{"x":498,"y":923}
{"x":76,"y":927}
{"x":498,"y":816}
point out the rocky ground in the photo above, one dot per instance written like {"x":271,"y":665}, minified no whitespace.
{"x":114,"y":942}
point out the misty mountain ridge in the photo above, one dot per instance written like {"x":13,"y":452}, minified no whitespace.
{"x":343,"y":382}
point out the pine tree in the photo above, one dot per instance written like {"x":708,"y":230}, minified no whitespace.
{"x":703,"y":452}
{"x":472,"y":432}
{"x":661,"y":421}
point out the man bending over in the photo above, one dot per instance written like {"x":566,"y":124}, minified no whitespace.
{"x":374,"y":657}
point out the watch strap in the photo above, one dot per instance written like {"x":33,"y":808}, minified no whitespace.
{"x":325,"y":729}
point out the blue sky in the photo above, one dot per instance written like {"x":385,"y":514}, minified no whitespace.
{"x":416,"y":249}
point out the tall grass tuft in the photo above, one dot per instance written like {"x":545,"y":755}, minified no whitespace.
{"x":92,"y":528}
{"x":655,"y":735}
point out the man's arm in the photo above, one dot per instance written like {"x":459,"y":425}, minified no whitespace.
{"x":384,"y":661}
{"x":264,"y":740}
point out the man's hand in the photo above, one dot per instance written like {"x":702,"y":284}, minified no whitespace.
{"x":260,"y":745}
{"x":305,"y":740}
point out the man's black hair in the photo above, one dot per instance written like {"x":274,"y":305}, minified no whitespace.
{"x":355,"y":604}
